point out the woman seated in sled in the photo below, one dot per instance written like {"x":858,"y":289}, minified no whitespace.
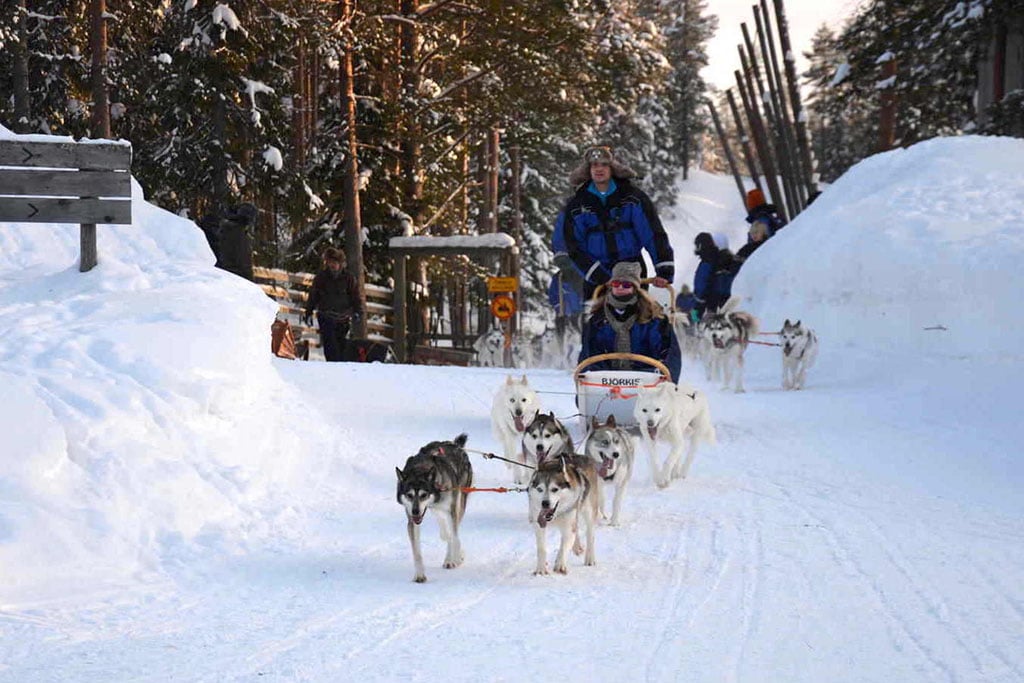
{"x":624,"y":318}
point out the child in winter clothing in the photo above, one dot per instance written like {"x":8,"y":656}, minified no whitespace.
{"x":335,"y":297}
{"x":626,"y":319}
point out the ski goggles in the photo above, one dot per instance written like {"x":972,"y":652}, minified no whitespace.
{"x":598,"y":155}
{"x":622,"y":284}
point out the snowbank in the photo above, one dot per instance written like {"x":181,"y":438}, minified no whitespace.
{"x":902,"y":245}
{"x":141,"y":407}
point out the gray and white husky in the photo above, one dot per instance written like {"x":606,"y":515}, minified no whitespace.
{"x":490,"y":349}
{"x":612,"y":450}
{"x":545,"y":437}
{"x":799,"y":351}
{"x":729,"y":332}
{"x":679,"y":415}
{"x":433,"y":480}
{"x":563,"y":494}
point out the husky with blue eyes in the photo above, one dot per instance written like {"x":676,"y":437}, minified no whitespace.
{"x":433,"y":479}
{"x":611,"y":448}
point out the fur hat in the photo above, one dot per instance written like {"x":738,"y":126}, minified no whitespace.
{"x":628,"y":271}
{"x":755,"y":198}
{"x":600,"y":154}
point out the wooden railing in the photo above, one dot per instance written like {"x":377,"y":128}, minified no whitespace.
{"x":291,"y":291}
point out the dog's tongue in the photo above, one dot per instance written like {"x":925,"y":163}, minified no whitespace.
{"x":519,"y":423}
{"x":652,"y":432}
{"x":718,"y":343}
{"x":606,"y":465}
{"x":417,"y":520}
{"x":545,"y":516}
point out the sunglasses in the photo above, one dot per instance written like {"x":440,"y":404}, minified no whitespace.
{"x":622,"y":284}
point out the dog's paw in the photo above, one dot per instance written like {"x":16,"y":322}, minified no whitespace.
{"x":590,"y":561}
{"x":541,"y":571}
{"x":420,"y":578}
{"x":561,"y":569}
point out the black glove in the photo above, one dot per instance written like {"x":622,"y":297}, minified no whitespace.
{"x":668,"y":272}
{"x":600,"y":276}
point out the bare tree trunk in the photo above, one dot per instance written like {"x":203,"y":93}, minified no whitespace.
{"x":493,"y":169}
{"x":98,"y":75}
{"x":764,"y":152}
{"x":22,"y":103}
{"x":410,"y":144}
{"x":799,"y":120}
{"x":350,"y":189}
{"x":887,"y":114}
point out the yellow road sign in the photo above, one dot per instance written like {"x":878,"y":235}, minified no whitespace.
{"x":502,"y":284}
{"x":503,"y":307}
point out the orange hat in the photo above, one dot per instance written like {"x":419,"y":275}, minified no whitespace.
{"x":755,"y":198}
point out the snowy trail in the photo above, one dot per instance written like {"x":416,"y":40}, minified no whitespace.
{"x":785,"y":545}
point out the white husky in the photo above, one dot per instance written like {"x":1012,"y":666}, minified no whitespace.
{"x":799,"y":351}
{"x":729,"y":331}
{"x":515,"y":405}
{"x":490,"y":349}
{"x":677,"y":414}
{"x":611,"y":448}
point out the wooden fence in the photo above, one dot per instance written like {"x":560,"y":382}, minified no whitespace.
{"x":291,"y":290}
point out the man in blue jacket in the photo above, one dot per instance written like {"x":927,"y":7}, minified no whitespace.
{"x":608,"y":220}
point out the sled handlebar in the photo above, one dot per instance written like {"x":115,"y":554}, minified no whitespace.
{"x":653,"y":362}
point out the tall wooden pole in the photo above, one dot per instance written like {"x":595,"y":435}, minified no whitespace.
{"x":748,"y":154}
{"x":728,"y":152}
{"x":350,"y":189}
{"x":770,"y":61}
{"x":799,"y":119}
{"x":887,"y":112}
{"x":750,"y":67}
{"x":493,"y":172}
{"x":764,"y":152}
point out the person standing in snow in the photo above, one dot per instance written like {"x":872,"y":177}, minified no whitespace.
{"x":234,"y":240}
{"x":712,"y":282}
{"x":756,"y":236}
{"x":335,"y":297}
{"x":608,"y":220}
{"x":758,"y":209}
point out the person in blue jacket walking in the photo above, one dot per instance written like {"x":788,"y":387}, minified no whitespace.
{"x":626,"y":319}
{"x":608,"y":220}
{"x":712,"y":282}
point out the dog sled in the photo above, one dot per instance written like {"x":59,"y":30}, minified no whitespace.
{"x":604,"y":393}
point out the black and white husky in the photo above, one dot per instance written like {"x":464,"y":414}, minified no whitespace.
{"x":612,"y":450}
{"x":545,"y":437}
{"x":563,"y":494}
{"x":433,"y":480}
{"x":490,"y":349}
{"x":799,"y":351}
{"x":729,"y":332}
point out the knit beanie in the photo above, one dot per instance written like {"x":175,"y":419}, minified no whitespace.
{"x":630,"y":272}
{"x":755,"y":198}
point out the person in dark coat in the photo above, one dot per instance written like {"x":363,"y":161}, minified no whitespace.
{"x":335,"y":297}
{"x":758,"y":209}
{"x":624,"y":318}
{"x":234,"y":243}
{"x":608,"y":220}
{"x":712,"y":282}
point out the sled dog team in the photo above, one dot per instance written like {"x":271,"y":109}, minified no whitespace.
{"x":566,"y":490}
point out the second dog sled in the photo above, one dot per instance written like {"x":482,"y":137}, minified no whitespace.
{"x":604,"y":393}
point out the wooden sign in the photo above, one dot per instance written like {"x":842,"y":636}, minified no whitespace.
{"x":503,"y":307}
{"x":502,"y":284}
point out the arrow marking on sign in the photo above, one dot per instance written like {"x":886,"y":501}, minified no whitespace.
{"x":34,"y":210}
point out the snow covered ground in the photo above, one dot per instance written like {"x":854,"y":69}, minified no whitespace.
{"x":175,"y":504}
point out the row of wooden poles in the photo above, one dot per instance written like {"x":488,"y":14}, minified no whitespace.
{"x":774,"y":116}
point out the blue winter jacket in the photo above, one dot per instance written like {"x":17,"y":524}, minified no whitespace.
{"x":596,"y":235}
{"x":654,"y":339}
{"x":712,"y":283}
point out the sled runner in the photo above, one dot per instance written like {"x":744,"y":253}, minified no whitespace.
{"x":600,"y":393}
